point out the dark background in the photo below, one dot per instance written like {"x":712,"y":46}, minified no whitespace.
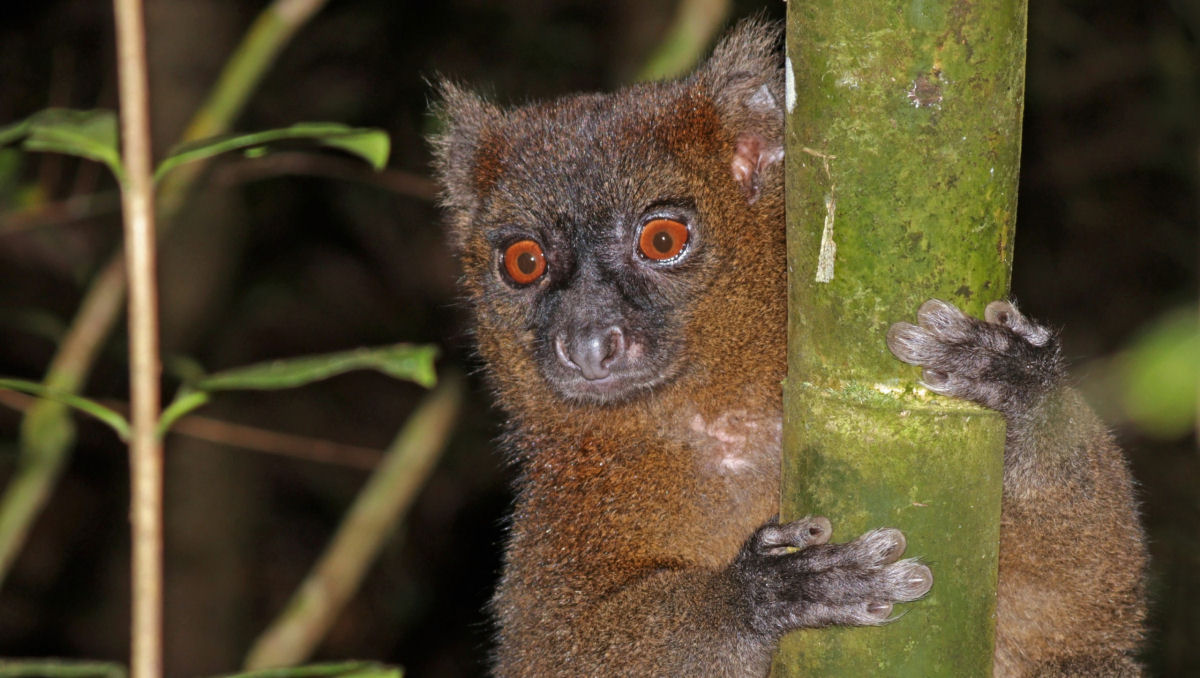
{"x":282,"y":257}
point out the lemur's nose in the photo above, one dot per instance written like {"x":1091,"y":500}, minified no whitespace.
{"x":592,"y":351}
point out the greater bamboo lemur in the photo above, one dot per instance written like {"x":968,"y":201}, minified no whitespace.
{"x":624,"y":258}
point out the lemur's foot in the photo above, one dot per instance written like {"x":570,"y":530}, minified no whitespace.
{"x":1004,"y":362}
{"x":794,"y":579}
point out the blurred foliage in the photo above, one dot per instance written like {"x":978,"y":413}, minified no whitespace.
{"x":402,"y":361}
{"x":93,"y":135}
{"x":1161,"y":374}
{"x":57,"y":668}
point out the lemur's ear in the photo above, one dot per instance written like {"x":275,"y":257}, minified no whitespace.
{"x":466,"y":118}
{"x":745,"y":78}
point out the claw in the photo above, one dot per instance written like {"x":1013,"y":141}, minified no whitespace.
{"x":879,"y":610}
{"x":944,"y":320}
{"x":906,"y":342}
{"x":918,"y":580}
{"x":1001,"y":313}
{"x":1005,"y":313}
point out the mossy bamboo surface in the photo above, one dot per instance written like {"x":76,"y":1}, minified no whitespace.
{"x":903,"y":152}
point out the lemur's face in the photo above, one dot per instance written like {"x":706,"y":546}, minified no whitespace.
{"x":591,"y":240}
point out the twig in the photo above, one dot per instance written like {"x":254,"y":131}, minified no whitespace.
{"x":252,"y":438}
{"x":46,"y":432}
{"x":145,"y":447}
{"x":277,"y":443}
{"x":379,"y":507}
{"x":74,"y":208}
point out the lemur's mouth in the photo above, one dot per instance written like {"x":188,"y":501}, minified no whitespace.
{"x":616,"y":386}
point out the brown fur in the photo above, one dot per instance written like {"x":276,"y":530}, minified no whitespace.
{"x":629,"y":513}
{"x":1071,"y":599}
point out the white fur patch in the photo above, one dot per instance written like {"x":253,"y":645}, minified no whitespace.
{"x":728,"y":440}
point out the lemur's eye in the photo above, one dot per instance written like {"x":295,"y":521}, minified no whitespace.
{"x":524,"y":261}
{"x":662,"y":239}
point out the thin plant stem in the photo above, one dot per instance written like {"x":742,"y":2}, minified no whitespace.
{"x":379,"y":507}
{"x":145,"y":447}
{"x":47,"y":432}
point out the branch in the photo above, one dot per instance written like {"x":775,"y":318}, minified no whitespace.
{"x":380,"y":506}
{"x":276,"y":442}
{"x":74,"y":208}
{"x":252,"y":438}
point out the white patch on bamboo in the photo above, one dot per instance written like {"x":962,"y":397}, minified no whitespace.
{"x":789,"y":80}
{"x":828,"y":253}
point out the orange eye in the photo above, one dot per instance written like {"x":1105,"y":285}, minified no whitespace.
{"x":524,"y":262}
{"x":662,"y":239}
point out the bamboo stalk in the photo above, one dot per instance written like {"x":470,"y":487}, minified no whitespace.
{"x":145,"y":448}
{"x":904,"y":130}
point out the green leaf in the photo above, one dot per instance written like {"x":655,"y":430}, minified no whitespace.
{"x":330,"y":670}
{"x":59,"y":668}
{"x":87,"y":134}
{"x":113,"y":418}
{"x":1161,"y":371}
{"x":402,"y":361}
{"x":372,"y":145}
{"x":14,"y":132}
{"x":184,"y":402}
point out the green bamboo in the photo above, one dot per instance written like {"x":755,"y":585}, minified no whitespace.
{"x":904,"y":146}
